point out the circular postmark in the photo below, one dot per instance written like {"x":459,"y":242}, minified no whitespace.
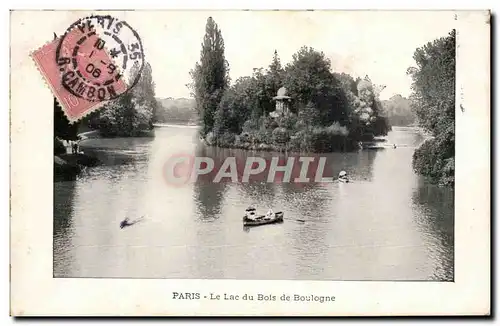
{"x":100,"y":58}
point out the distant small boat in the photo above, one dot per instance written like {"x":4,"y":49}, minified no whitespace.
{"x":264,"y":219}
{"x":343,"y":180}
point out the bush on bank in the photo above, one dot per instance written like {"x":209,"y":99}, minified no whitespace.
{"x":286,"y":133}
{"x":435,"y":159}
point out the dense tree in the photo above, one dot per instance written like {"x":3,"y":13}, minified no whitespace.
{"x":434,"y":84}
{"x":433,"y":100}
{"x":210,"y":76}
{"x":347,"y":83}
{"x":62,"y":128}
{"x":308,"y":79}
{"x":329,"y":111}
{"x":144,"y":91}
{"x":117,"y":117}
{"x":399,"y":111}
{"x":369,"y":110}
{"x":132,"y":112}
{"x":235,"y":107}
{"x":365,"y":111}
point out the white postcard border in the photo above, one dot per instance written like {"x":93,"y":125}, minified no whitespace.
{"x":35,"y":292}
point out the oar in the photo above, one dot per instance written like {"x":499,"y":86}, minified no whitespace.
{"x":297,"y":220}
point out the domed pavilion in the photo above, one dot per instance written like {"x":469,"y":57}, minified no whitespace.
{"x":282,"y":103}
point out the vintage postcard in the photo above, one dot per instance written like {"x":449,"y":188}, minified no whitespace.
{"x":250,"y":163}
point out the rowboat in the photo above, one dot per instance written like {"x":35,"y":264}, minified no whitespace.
{"x":263,"y":219}
{"x":372,"y":146}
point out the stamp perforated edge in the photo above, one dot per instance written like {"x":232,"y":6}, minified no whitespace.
{"x":47,"y":82}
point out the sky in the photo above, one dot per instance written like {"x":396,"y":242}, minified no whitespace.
{"x":379,"y":44}
{"x":374,"y":43}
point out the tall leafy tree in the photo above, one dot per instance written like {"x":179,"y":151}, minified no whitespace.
{"x":132,"y":112}
{"x":144,"y":94}
{"x":144,"y":90}
{"x":210,"y":76}
{"x":433,"y":100}
{"x":434,"y":84}
{"x":273,"y":82}
{"x":236,"y":106}
{"x":275,"y":73}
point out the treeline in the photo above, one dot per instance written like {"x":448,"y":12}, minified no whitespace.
{"x":328,"y":111}
{"x":130,"y":114}
{"x":399,"y":111}
{"x":433,"y":101}
{"x":179,"y":110}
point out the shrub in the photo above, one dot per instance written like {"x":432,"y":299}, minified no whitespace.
{"x":336,"y":129}
{"x":435,"y":159}
{"x":280,"y":135}
{"x":273,"y":124}
{"x":210,"y":138}
{"x":381,"y":126}
{"x":245,"y":137}
{"x":288,"y":121}
{"x":320,"y":140}
{"x":300,"y":125}
{"x":300,"y":141}
{"x":263,"y":136}
{"x":330,"y":139}
{"x":250,"y":125}
{"x":266,"y":122}
{"x":226,"y":139}
{"x":309,"y":115}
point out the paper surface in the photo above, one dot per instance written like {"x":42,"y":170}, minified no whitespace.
{"x":40,"y":289}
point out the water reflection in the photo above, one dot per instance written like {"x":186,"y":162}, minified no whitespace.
{"x":437,"y":225}
{"x":64,"y":193}
{"x":209,"y":196}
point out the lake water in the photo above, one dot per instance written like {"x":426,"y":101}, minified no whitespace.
{"x":388,"y":224}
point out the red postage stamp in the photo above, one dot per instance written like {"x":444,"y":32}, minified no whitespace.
{"x":98,"y":59}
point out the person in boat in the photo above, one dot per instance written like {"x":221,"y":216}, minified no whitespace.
{"x":126,"y":222}
{"x":74,"y":147}
{"x":343,"y":176}
{"x":269,"y":214}
{"x":251,"y":213}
